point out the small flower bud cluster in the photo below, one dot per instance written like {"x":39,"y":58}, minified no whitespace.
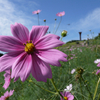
{"x":79,"y":73}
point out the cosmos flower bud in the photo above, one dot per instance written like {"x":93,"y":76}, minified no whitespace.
{"x":63,"y":33}
{"x":55,"y":19}
{"x":44,"y":20}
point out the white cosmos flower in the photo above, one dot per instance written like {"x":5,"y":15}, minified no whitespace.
{"x":72,"y":71}
{"x":97,"y":61}
{"x":68,"y":88}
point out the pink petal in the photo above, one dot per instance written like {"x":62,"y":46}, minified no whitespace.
{"x":62,"y":95}
{"x":36,"y":12}
{"x":68,"y":94}
{"x":98,"y":71}
{"x":2,"y":98}
{"x":22,"y":67}
{"x":7,"y":73}
{"x":20,"y":32}
{"x":7,"y":60}
{"x":98,"y":64}
{"x":40,"y":70}
{"x":7,"y":94}
{"x":10,"y":44}
{"x":16,"y":78}
{"x":48,"y":41}
{"x":37,"y":32}
{"x":71,"y":97}
{"x":7,"y":79}
{"x":7,"y":83}
{"x":52,"y":56}
{"x":26,"y":70}
{"x":11,"y":92}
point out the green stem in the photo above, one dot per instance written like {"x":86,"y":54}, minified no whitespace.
{"x":45,"y":23}
{"x":61,"y":38}
{"x":38,"y":19}
{"x":81,"y":88}
{"x":58,"y":25}
{"x":96,"y":48}
{"x":69,"y":67}
{"x":96,"y":89}
{"x":87,"y":88}
{"x":56,"y":88}
{"x":54,"y":26}
{"x":99,"y":97}
{"x":43,"y":88}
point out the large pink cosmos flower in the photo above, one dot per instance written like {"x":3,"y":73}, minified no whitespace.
{"x":60,"y":14}
{"x":7,"y":76}
{"x":7,"y":95}
{"x":67,"y":95}
{"x":36,"y":12}
{"x":30,"y":52}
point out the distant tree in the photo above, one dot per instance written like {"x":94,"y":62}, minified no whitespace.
{"x":97,"y":37}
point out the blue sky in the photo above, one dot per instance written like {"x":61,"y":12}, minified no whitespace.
{"x":82,"y":15}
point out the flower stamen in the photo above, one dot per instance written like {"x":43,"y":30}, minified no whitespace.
{"x":29,"y":47}
{"x":65,"y":98}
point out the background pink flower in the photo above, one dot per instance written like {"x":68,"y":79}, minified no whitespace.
{"x":7,"y":95}
{"x":7,"y":79}
{"x":67,"y":95}
{"x":60,"y":14}
{"x":97,"y":61}
{"x":98,"y":71}
{"x":80,"y":50}
{"x":36,"y":12}
{"x":30,"y":52}
{"x":70,"y":49}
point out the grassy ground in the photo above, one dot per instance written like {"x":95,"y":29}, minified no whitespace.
{"x":62,"y":76}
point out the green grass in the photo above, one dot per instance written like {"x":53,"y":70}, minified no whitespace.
{"x":62,"y":77}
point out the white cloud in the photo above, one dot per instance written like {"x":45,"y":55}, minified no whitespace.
{"x":91,"y":21}
{"x":9,"y":14}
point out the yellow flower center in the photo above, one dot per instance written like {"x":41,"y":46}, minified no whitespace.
{"x":29,"y":47}
{"x":65,"y":98}
{"x":60,"y":14}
